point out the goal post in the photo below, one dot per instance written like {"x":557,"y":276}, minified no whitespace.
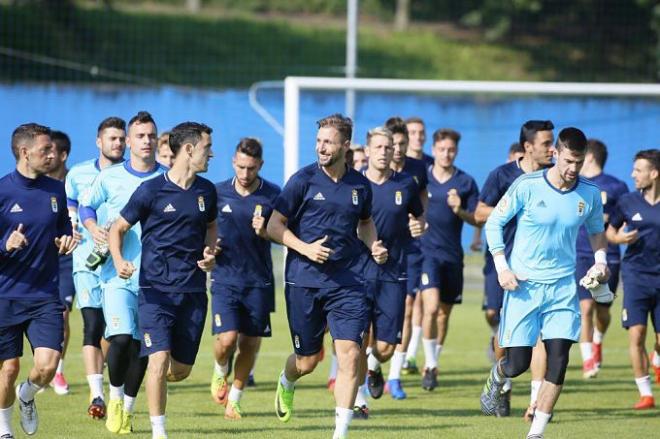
{"x":294,"y":85}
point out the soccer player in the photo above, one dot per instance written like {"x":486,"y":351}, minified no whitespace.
{"x":611,"y":188}
{"x":111,"y":142}
{"x":541,"y":299}
{"x":177,"y":212}
{"x":412,"y":330}
{"x":416,"y":139}
{"x":323,"y":216}
{"x":243,"y":289}
{"x":452,"y":198}
{"x":537,"y":138}
{"x":635,"y":222}
{"x":416,"y":136}
{"x":61,"y":150}
{"x":516,"y":152}
{"x":164,"y":154}
{"x":396,"y":204}
{"x":35,"y":230}
{"x":360,"y":160}
{"x":111,"y":190}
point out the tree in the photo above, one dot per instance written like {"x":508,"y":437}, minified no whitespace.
{"x":402,"y":15}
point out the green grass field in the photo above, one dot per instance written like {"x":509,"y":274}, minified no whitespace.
{"x":587,"y":409}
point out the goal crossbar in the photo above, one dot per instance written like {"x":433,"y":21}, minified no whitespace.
{"x":294,"y":84}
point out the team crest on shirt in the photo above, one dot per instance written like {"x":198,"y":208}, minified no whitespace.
{"x":115,"y":322}
{"x":581,"y":207}
{"x":398,"y":198}
{"x":147,"y":339}
{"x":200,"y":204}
{"x":218,"y":320}
{"x":53,"y":204}
{"x":603,"y":197}
{"x":354,"y":197}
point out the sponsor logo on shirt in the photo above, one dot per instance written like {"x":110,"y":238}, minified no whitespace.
{"x":226,"y":208}
{"x":16,"y":208}
{"x":53,"y":204}
{"x":147,"y":339}
{"x":398,"y":198}
{"x":581,"y":206}
{"x":319,"y":197}
{"x":169,"y":208}
{"x":541,"y":204}
{"x":603,"y":197}
{"x":354,"y":197}
{"x":200,"y":204}
{"x":637,"y":217}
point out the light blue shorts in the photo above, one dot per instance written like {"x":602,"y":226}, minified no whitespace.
{"x":120,"y":304}
{"x":89,"y":293}
{"x":540,"y":309}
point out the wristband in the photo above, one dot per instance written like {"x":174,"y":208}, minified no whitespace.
{"x":600,"y":257}
{"x":500,"y":263}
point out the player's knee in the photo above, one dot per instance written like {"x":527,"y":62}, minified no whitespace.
{"x":122,"y":342}
{"x":158,"y":364}
{"x":384,"y":352}
{"x":9,"y":370}
{"x":228,"y":341}
{"x":45,"y":368}
{"x":516,"y":361}
{"x":306,"y":363}
{"x":557,"y":353}
{"x":492,"y":317}
{"x":93,"y":327}
{"x":250,"y":344}
{"x":179,"y":374}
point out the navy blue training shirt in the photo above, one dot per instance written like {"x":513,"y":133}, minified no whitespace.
{"x":174,"y":222}
{"x":611,"y":188}
{"x":245,"y":259}
{"x":428,"y":159}
{"x":494,"y":188}
{"x":642,"y":256}
{"x":316,"y":206}
{"x":442,"y":240}
{"x":31,"y":273}
{"x":417,"y":169}
{"x":393,"y":200}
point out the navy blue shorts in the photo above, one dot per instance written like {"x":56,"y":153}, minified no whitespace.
{"x":641,"y":297}
{"x":445,"y":276}
{"x":66,"y":287}
{"x":414,"y":270}
{"x":41,"y":322}
{"x":388,"y":308}
{"x":171,"y":322}
{"x":243,"y":309}
{"x":345,"y":310}
{"x":493,"y":292}
{"x":582,"y":266}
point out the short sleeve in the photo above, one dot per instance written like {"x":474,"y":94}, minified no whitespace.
{"x":213,"y":201}
{"x":138,"y":205}
{"x":594,"y":223}
{"x":617,"y":218}
{"x":490,"y":192}
{"x":291,"y":198}
{"x":365,"y":213}
{"x":472,"y":196}
{"x":71,"y":190}
{"x":415,"y":205}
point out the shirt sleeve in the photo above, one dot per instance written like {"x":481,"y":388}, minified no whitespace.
{"x":213,"y":198}
{"x":93,"y":199}
{"x":507,"y":207}
{"x":365,"y":213}
{"x":137,"y":207}
{"x":617,"y":218}
{"x":594,"y":223}
{"x":490,"y":192}
{"x":415,"y":205}
{"x":71,"y":191}
{"x":291,"y":198}
{"x":472,"y":196}
{"x":63,"y":219}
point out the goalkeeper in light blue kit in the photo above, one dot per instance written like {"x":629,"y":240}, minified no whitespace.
{"x":540,"y":291}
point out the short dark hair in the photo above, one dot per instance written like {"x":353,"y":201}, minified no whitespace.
{"x":26,"y":133}
{"x":250,"y":147}
{"x":598,"y":150}
{"x":187,"y":132}
{"x":61,"y":141}
{"x":397,"y":126}
{"x":531,"y":127}
{"x":111,"y":122}
{"x":415,"y":119}
{"x":516,"y":147}
{"x":572,"y":139}
{"x":650,"y":155}
{"x":446,"y":133}
{"x":339,"y":122}
{"x":141,"y":117}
